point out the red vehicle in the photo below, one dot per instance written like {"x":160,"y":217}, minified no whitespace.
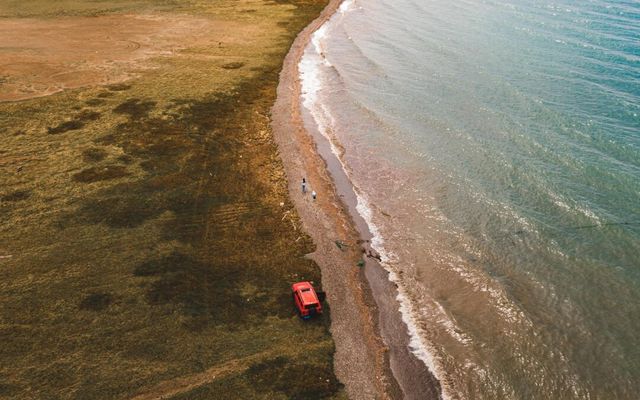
{"x":306,"y":299}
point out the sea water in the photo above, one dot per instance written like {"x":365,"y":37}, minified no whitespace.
{"x":494,"y":147}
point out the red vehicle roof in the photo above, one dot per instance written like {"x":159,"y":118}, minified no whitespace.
{"x":307,"y":293}
{"x":308,"y":296}
{"x":306,"y":299}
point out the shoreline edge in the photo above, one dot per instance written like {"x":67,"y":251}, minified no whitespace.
{"x":372,"y":357}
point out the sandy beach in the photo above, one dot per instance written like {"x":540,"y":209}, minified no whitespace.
{"x":372,"y":357}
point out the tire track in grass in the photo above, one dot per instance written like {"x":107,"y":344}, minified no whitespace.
{"x":184,"y":384}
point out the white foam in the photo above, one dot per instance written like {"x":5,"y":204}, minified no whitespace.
{"x":346,"y":6}
{"x":310,"y":69}
{"x":418,"y":346}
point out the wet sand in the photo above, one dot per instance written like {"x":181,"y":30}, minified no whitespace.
{"x":372,"y":357}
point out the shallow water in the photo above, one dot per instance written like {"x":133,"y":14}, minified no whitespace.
{"x":495,"y":150}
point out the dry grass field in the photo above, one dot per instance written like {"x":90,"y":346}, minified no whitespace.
{"x":147,"y":242}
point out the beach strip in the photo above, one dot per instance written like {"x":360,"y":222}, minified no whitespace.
{"x":372,"y":359}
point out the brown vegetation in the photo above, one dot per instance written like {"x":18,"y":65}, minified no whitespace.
{"x":146,"y":233}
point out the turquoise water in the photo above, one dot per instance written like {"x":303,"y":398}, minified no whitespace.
{"x":495,"y":149}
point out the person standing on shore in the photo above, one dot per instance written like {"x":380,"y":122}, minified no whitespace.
{"x":304,"y":185}
{"x":313,"y":194}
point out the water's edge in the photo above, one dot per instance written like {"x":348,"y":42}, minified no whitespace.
{"x":412,"y":374}
{"x":352,"y":317}
{"x":408,"y":359}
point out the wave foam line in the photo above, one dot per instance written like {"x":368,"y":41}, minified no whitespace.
{"x":310,"y":69}
{"x":423,"y":351}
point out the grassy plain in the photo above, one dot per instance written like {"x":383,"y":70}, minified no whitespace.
{"x":147,"y":242}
